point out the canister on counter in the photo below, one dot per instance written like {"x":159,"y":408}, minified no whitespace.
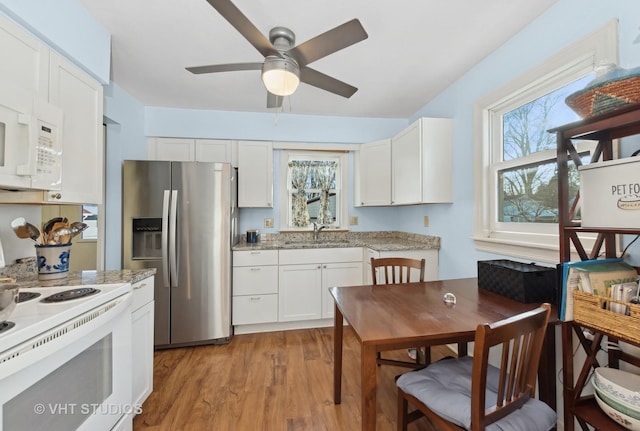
{"x":252,"y":236}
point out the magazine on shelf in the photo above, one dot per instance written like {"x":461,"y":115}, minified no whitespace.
{"x":595,"y":277}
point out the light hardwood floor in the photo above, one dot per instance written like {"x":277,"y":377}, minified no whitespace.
{"x":271,"y":382}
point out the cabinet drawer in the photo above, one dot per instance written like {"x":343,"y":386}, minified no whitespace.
{"x":255,"y":309}
{"x":320,"y":255}
{"x":255,"y":257}
{"x":142,"y":293}
{"x":255,"y":280}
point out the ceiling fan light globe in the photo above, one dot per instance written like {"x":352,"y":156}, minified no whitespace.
{"x":280,"y":76}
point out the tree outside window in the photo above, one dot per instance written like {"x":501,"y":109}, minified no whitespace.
{"x":527,"y":193}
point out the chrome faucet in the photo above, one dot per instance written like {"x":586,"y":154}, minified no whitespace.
{"x":316,"y":230}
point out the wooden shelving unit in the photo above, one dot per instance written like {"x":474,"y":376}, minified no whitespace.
{"x":604,"y":129}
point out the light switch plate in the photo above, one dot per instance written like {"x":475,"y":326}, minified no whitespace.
{"x":268,"y":222}
{"x":353,"y":220}
{"x":426,"y":221}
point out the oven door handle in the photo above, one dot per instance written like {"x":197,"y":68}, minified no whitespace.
{"x":173,"y":228}
{"x":165,"y":239}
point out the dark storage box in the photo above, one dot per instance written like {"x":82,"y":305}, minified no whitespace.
{"x":523,"y":282}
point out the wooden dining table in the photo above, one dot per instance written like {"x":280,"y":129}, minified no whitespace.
{"x":399,"y":316}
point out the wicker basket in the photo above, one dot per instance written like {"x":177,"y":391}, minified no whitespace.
{"x":590,"y":311}
{"x":604,"y":95}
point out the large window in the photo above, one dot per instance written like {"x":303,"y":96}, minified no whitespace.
{"x":516,"y":203}
{"x":315,"y":190}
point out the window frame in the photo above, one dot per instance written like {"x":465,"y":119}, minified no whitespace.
{"x":342,"y":177}
{"x":534,"y":241}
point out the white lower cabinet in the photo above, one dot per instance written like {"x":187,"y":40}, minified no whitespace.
{"x":305,"y":277}
{"x":142,"y":340}
{"x":255,"y":287}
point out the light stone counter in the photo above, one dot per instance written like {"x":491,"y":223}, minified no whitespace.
{"x":379,"y":241}
{"x":26,"y":275}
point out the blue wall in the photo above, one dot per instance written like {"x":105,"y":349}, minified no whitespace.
{"x":128,"y":121}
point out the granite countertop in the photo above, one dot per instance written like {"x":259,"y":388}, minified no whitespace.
{"x":379,"y":241}
{"x":26,"y":275}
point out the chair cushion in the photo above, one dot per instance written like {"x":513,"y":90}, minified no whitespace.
{"x":445,"y":388}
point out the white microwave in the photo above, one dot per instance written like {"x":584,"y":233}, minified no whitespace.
{"x":30,"y":141}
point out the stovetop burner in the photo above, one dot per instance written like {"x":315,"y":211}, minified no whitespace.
{"x":27,"y":296}
{"x":6,"y":325}
{"x":67,"y":295}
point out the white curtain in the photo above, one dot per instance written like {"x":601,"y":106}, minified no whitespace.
{"x":325,"y":177}
{"x":299,"y":175}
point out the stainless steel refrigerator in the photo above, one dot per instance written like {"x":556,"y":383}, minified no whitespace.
{"x":181,"y":218}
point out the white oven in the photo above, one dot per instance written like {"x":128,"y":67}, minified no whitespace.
{"x":67,"y":365}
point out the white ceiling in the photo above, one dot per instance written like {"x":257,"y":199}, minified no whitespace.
{"x":415,"y":49}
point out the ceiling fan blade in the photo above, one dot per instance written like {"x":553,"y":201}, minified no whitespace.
{"x":328,"y":42}
{"x":240,"y":22}
{"x":214,"y":68}
{"x":274,"y":101}
{"x":327,"y":83}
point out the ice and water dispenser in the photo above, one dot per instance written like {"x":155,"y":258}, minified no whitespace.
{"x":147,"y":238}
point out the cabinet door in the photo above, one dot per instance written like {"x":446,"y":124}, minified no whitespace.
{"x":255,"y":174}
{"x":338,"y":274}
{"x":437,"y":162}
{"x":80,"y":98}
{"x":214,"y":150}
{"x":300,"y":292}
{"x":142,"y":350}
{"x":375,"y":173}
{"x":253,"y":309}
{"x":406,"y":166}
{"x":26,"y":63}
{"x":172,"y":149}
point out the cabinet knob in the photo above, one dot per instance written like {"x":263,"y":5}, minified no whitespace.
{"x":319,"y":266}
{"x":56,"y":196}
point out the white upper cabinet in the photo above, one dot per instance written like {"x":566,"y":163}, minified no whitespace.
{"x":375,"y":173}
{"x":436,"y":136}
{"x":192,"y":150}
{"x":406,"y":166}
{"x":80,"y":98}
{"x":255,"y":174}
{"x":413,"y":167}
{"x":171,"y":149}
{"x":26,"y":59}
{"x":216,"y":150}
{"x":37,"y":69}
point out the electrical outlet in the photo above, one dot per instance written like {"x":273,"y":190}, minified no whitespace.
{"x":268,"y":222}
{"x":426,"y":221}
{"x":353,"y":220}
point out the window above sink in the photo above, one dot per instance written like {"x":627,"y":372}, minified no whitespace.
{"x":313,"y":189}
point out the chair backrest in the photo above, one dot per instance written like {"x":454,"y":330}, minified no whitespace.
{"x":521,"y":339}
{"x":395,"y":269}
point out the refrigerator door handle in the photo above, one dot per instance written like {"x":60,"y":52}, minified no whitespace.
{"x":165,"y":239}
{"x":173,"y":228}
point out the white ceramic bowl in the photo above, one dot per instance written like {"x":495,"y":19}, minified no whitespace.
{"x":622,"y":386}
{"x":626,"y":421}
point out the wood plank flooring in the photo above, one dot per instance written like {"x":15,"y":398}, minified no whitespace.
{"x":277,"y":381}
{"x":271,"y":381}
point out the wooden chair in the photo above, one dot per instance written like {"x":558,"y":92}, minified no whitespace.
{"x":469,"y":393}
{"x":392,"y":270}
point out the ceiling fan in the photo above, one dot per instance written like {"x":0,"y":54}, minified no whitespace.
{"x":285,"y":64}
